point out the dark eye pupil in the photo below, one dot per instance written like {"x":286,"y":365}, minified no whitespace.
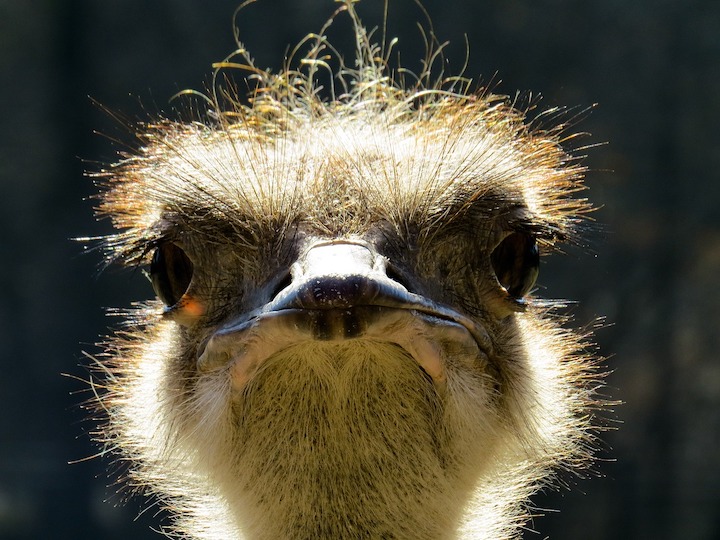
{"x":170,"y":272}
{"x":516,"y":262}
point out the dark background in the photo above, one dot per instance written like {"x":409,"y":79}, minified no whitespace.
{"x":652,"y":270}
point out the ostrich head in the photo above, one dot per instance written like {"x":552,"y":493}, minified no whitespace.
{"x":345,"y":342}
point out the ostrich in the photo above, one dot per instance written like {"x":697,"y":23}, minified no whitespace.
{"x":345,"y":343}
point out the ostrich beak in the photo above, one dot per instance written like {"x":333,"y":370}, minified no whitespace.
{"x":340,"y":290}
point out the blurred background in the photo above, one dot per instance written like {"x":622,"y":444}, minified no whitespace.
{"x":651,"y":268}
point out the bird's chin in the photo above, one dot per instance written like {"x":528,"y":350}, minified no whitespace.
{"x":428,"y":339}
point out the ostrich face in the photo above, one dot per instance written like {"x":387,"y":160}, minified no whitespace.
{"x":344,"y":345}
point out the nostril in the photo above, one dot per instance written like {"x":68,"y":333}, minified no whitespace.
{"x":394,"y":274}
{"x":284,"y":283}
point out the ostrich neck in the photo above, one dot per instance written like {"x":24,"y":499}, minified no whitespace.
{"x":342,"y":441}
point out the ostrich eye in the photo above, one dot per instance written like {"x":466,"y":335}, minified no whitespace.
{"x":170,"y":271}
{"x":516,"y":262}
